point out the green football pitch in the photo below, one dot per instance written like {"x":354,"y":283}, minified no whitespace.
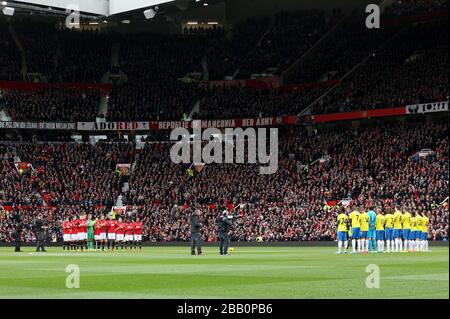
{"x":256,"y":272}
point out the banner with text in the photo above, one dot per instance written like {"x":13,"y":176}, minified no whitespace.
{"x":170,"y":125}
{"x":427,"y":108}
{"x":39,"y":125}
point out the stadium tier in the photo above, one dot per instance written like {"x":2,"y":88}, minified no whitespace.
{"x":309,"y":62}
{"x":371,"y":164}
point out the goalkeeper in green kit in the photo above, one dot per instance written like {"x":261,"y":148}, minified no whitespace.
{"x":90,"y":233}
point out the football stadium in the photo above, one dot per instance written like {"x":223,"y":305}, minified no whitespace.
{"x":224,"y":149}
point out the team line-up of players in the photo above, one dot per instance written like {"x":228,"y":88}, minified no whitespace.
{"x":401,"y":231}
{"x":101,"y":233}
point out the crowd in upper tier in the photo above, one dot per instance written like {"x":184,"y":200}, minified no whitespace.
{"x":62,"y":105}
{"x":396,"y":65}
{"x":371,"y":164}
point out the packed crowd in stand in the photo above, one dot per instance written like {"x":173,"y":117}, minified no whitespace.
{"x":288,"y":37}
{"x":371,"y":165}
{"x":410,"y":70}
{"x":166,"y":100}
{"x":65,"y":55}
{"x":228,"y":102}
{"x":57,"y":104}
{"x":9,"y":64}
{"x":405,"y":68}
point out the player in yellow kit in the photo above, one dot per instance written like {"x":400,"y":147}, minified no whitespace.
{"x":356,"y":229}
{"x":424,"y":233}
{"x":364,"y":222}
{"x":389,"y":230}
{"x":342,"y":225}
{"x":406,"y":223}
{"x":413,"y":233}
{"x":398,"y":230}
{"x":379,"y":228}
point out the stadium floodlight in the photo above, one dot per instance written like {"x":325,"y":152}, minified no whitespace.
{"x":8,"y":11}
{"x":150,"y":13}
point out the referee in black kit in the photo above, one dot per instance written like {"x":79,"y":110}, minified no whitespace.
{"x":39,"y":228}
{"x":224,"y":223}
{"x":196,"y":236}
{"x":18,"y":227}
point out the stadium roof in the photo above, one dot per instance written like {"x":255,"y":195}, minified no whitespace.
{"x":99,"y":7}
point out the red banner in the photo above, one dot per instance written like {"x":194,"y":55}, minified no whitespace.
{"x":263,"y":83}
{"x":312,"y":85}
{"x":358,"y":115}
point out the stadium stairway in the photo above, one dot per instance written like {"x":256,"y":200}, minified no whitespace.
{"x":103,"y":106}
{"x":4,"y":116}
{"x":287,"y":75}
{"x":19,"y":45}
{"x":195,"y":109}
{"x":115,"y":54}
{"x":57,"y":58}
{"x":119,"y":201}
{"x":257,"y":44}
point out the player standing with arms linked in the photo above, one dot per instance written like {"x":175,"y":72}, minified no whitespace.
{"x":112,"y":224}
{"x":371,"y":232}
{"x":379,"y":228}
{"x":424,"y":233}
{"x":398,"y":230}
{"x":354,"y":218}
{"x":389,"y":229}
{"x":128,"y":233}
{"x":137,"y":233}
{"x":67,"y":233}
{"x":90,"y":233}
{"x":406,"y":223}
{"x":342,"y":226}
{"x":364,"y":221}
{"x":97,"y":229}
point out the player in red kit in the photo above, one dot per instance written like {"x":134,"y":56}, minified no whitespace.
{"x":67,"y":233}
{"x":97,"y":231}
{"x":82,"y":231}
{"x":137,"y":231}
{"x":78,"y":223}
{"x":103,"y":231}
{"x":112,"y":225}
{"x":120,"y":233}
{"x":128,"y":234}
{"x":74,"y":233}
